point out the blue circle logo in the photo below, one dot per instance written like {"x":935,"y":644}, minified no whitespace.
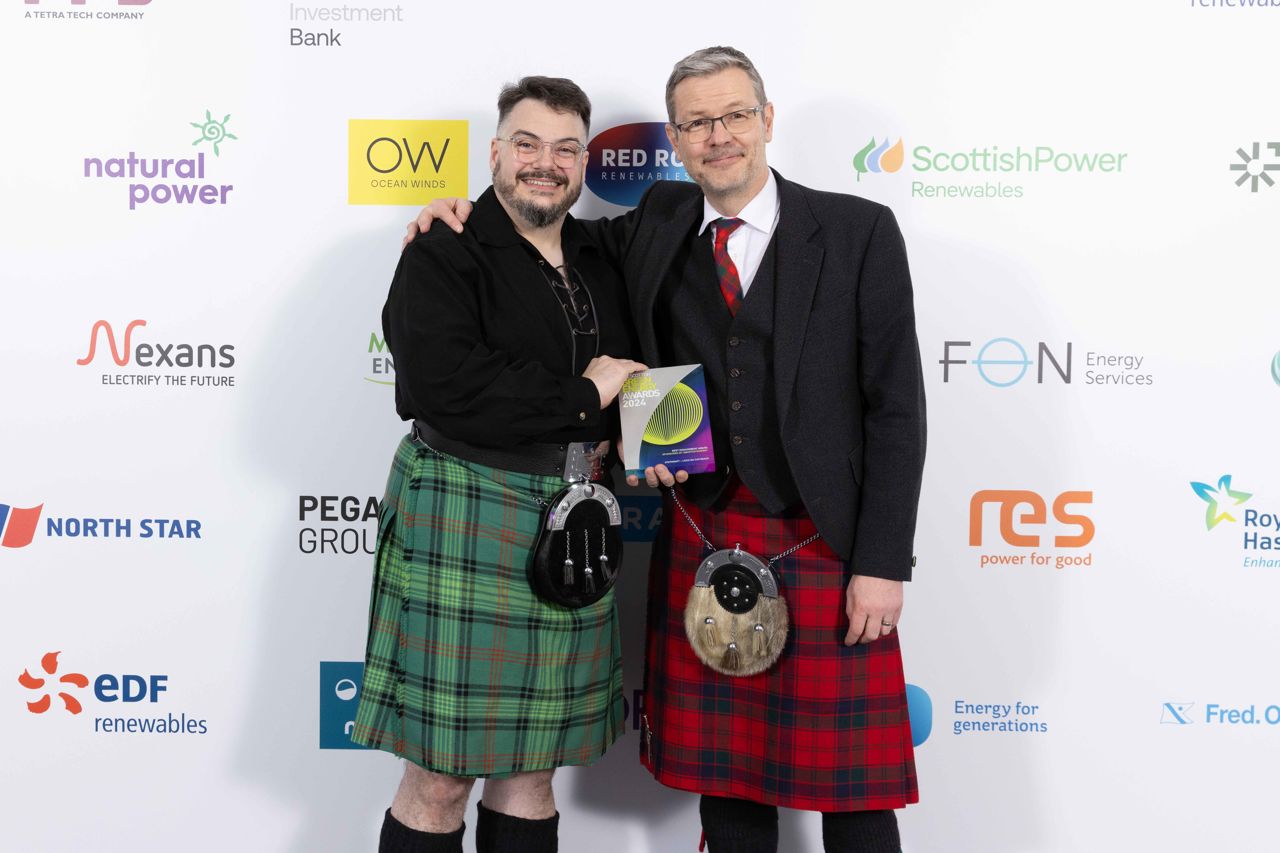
{"x":1009,"y":361}
{"x":920,"y":711}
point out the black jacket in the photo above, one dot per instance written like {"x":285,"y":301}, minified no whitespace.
{"x":848,"y":382}
{"x":480,"y":341}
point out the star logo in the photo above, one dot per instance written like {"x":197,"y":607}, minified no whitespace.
{"x":1220,"y":500}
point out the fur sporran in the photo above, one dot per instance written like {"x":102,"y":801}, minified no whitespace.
{"x":735,"y":618}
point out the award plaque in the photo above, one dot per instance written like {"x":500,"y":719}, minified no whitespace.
{"x":665,"y":420}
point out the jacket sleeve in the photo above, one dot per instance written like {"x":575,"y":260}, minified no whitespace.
{"x":614,"y":235}
{"x":450,"y":377}
{"x":892,"y":387}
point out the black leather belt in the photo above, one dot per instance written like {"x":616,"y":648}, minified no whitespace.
{"x":568,"y":460}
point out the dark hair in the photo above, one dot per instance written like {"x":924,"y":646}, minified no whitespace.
{"x":559,"y":93}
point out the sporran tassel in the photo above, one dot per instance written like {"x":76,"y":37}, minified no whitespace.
{"x":710,"y":636}
{"x":604,"y":557}
{"x":568,"y":571}
{"x":759,"y":642}
{"x":731,"y":660}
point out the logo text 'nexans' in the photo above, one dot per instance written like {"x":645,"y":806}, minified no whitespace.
{"x":1035,"y":515}
{"x":405,"y":162}
{"x":626,"y":160}
{"x":152,"y":357}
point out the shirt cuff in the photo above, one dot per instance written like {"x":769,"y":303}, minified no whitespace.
{"x":584,"y":402}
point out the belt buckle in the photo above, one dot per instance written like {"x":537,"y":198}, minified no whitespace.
{"x":584,"y":460}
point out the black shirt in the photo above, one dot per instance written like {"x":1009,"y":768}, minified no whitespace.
{"x":482,"y":347}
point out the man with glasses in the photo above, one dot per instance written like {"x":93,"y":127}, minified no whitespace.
{"x":510,"y":344}
{"x":798,"y":304}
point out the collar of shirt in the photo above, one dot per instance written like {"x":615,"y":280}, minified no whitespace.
{"x":491,"y":226}
{"x":748,"y":243}
{"x":760,"y":214}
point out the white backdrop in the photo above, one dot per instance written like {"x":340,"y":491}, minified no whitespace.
{"x":1120,"y":676}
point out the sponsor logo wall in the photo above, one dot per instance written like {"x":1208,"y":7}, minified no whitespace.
{"x":204,"y":206}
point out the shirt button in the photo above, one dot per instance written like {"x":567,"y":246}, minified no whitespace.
{"x":582,"y":416}
{"x":735,"y":372}
{"x":736,"y":405}
{"x":737,"y":439}
{"x":733,"y":342}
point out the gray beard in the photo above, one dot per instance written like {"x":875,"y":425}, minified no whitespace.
{"x":533,"y":214}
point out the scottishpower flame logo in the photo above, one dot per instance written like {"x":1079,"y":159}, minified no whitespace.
{"x":879,"y":157}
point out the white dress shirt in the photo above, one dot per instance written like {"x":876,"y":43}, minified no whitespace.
{"x":748,"y":243}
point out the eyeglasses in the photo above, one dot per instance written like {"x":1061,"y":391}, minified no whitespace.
{"x":699,"y":130}
{"x":529,"y":148}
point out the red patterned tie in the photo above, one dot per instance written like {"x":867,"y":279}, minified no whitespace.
{"x":730,"y":286}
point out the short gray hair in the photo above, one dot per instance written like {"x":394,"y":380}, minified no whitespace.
{"x":711,"y":60}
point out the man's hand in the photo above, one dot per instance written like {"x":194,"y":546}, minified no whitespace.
{"x":656,"y":474}
{"x":873,"y":606}
{"x":609,"y":373}
{"x":451,"y":211}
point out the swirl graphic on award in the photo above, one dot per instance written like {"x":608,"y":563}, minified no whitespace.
{"x":665,"y":420}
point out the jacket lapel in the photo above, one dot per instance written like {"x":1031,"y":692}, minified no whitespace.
{"x":663,"y":247}
{"x":799,"y":265}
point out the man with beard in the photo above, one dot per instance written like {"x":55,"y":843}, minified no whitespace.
{"x":798,"y":304}
{"x":510,"y":344}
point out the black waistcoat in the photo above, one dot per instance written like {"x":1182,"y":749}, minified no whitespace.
{"x":694,"y":326}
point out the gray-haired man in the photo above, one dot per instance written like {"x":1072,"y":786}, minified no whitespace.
{"x":798,"y":303}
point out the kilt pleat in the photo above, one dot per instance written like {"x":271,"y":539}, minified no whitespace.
{"x":467,"y":671}
{"x":825,"y":729}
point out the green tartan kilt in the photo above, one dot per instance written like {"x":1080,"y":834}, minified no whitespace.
{"x":467,"y":672}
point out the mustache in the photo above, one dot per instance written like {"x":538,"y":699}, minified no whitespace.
{"x":723,"y":151}
{"x":540,"y":175}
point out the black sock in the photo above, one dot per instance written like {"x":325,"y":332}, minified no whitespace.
{"x":398,"y":838}
{"x":738,"y":826}
{"x":860,"y":832}
{"x":503,"y":833}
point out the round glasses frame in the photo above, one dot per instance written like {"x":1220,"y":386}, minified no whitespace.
{"x":528,"y":149}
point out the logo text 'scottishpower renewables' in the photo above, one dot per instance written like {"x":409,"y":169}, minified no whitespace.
{"x":985,"y":171}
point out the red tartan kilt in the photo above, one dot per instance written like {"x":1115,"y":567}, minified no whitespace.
{"x":824,"y":729}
